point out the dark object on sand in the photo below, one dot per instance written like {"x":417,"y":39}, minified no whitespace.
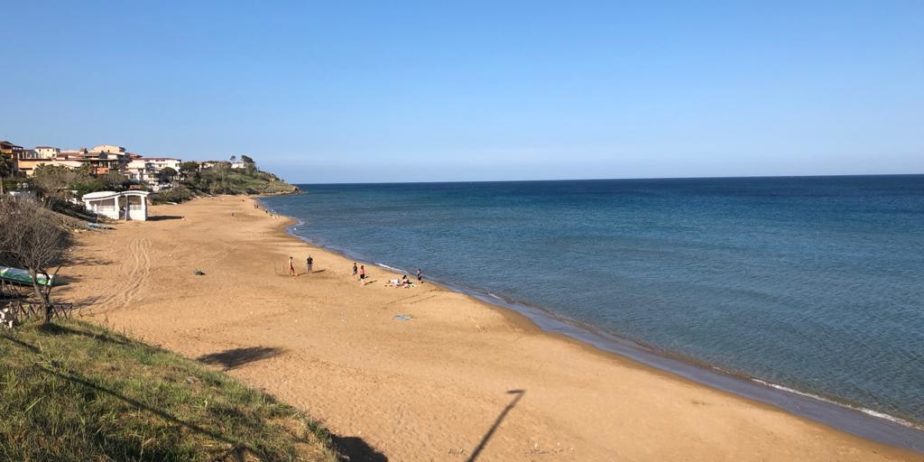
{"x":199,"y":272}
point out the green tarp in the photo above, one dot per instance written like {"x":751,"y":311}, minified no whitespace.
{"x":21,"y":276}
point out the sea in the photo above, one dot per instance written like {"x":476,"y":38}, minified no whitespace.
{"x":811,"y":285}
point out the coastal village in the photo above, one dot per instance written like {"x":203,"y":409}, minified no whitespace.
{"x":116,"y":182}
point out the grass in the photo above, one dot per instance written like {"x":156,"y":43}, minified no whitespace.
{"x":75,"y":391}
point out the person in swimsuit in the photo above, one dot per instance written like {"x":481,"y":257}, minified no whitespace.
{"x":354,"y":269}
{"x":309,"y":263}
{"x":291,"y":267}
{"x":419,"y":275}
{"x":362,"y":275}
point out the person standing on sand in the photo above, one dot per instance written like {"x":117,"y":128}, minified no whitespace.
{"x":309,"y":263}
{"x":354,"y":269}
{"x":362,"y":275}
{"x":419,"y":276}
{"x":291,"y":267}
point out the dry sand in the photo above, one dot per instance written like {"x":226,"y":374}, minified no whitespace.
{"x":429,"y":388}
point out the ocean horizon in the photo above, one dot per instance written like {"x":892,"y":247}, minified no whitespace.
{"x":810,"y":284}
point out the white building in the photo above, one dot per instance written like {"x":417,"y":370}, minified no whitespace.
{"x":139,"y":170}
{"x":147,"y":169}
{"x":47,"y":152}
{"x":127,"y":205}
{"x":161,"y":163}
{"x":28,"y":154}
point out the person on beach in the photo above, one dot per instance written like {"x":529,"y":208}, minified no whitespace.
{"x":419,"y":276}
{"x":291,"y":267}
{"x":362,"y":275}
{"x":354,"y":269}
{"x":309,"y":263}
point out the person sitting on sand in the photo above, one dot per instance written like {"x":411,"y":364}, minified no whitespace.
{"x":291,"y":267}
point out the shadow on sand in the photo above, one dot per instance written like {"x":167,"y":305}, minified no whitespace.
{"x":164,"y":217}
{"x":354,"y":449}
{"x":234,"y":358}
{"x":500,"y":418}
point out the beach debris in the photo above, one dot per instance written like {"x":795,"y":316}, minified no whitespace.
{"x":7,"y":318}
{"x":199,"y":272}
{"x":403,"y":317}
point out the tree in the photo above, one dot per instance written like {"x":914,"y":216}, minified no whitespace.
{"x":233,"y":159}
{"x":32,"y":238}
{"x":114,"y":180}
{"x":6,"y":168}
{"x":189,"y":168}
{"x":55,"y":182}
{"x":250,"y":167}
{"x":166,"y":175}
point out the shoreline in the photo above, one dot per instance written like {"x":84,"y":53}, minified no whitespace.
{"x":849,"y":417}
{"x":422,"y":388}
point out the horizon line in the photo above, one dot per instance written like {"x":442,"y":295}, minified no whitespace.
{"x":552,"y":180}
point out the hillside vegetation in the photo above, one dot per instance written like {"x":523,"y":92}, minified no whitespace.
{"x":73,"y":391}
{"x":222,"y":179}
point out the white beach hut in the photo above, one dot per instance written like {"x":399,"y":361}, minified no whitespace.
{"x":128,"y":205}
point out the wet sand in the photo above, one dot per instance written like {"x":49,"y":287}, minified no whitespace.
{"x":451,"y":378}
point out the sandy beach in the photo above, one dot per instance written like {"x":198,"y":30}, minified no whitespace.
{"x":417,"y":373}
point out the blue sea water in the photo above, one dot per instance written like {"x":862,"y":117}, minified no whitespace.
{"x":813,"y":283}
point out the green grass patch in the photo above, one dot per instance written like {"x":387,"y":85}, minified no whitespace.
{"x":75,"y":391}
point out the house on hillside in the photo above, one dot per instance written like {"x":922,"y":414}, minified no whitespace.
{"x":11,"y":152}
{"x":148,"y":169}
{"x":138,"y":169}
{"x":28,"y":166}
{"x":28,"y":154}
{"x":103,"y":162}
{"x":161,"y":163}
{"x":47,"y":152}
{"x":107,"y":148}
{"x":9,"y":149}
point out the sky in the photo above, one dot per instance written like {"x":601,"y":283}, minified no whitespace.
{"x":329,"y":92}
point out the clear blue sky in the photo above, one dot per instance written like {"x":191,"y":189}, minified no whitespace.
{"x":412,"y":91}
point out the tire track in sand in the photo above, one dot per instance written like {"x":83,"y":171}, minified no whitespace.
{"x":135,"y":272}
